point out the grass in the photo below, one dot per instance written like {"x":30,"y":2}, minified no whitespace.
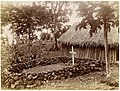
{"x":75,"y":86}
{"x":91,"y":81}
{"x":85,"y":82}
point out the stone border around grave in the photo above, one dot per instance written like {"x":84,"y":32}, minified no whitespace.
{"x":29,"y":80}
{"x":17,"y":68}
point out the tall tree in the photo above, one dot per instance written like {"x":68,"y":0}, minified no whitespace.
{"x":25,"y":19}
{"x":58,"y":16}
{"x":97,"y":14}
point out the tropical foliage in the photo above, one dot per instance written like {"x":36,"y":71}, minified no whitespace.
{"x":98,"y":14}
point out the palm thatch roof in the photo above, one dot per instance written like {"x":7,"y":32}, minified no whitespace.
{"x":82,"y":37}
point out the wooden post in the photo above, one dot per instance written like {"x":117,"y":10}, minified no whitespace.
{"x":73,"y":53}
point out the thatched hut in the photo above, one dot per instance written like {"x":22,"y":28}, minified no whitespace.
{"x":90,"y":47}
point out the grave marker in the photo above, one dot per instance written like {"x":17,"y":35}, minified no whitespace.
{"x":73,"y":53}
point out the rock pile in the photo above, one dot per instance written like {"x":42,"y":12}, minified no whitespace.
{"x":18,"y":67}
{"x":29,"y":80}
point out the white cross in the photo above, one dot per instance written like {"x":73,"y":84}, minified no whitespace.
{"x":73,"y":53}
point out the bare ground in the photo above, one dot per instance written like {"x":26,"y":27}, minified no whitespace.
{"x":46,"y":68}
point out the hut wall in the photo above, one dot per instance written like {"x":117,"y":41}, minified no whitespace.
{"x":87,"y":53}
{"x":68,"y":51}
{"x":112,"y":55}
{"x":64,"y":50}
{"x":76,"y":49}
{"x":81,"y":52}
{"x":117,"y":53}
{"x":103,"y":54}
{"x":97,"y":53}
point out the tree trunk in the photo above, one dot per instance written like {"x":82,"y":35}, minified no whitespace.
{"x":55,"y":48}
{"x":106,"y":52}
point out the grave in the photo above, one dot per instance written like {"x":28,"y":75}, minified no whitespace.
{"x":47,"y":68}
{"x":52,"y":69}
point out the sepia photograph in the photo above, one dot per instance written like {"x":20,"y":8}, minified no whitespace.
{"x":59,"y":45}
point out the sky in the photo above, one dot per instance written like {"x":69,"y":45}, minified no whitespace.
{"x":7,"y":32}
